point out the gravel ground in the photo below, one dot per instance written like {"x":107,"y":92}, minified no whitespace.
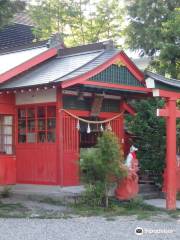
{"x":87,"y":228}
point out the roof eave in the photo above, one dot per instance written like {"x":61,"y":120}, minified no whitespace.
{"x":118,"y":56}
{"x":28,"y":64}
{"x":151,"y":78}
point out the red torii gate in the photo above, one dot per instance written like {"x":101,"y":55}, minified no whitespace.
{"x":170,"y":112}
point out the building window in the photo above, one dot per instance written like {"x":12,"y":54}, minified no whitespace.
{"x":6,"y":134}
{"x":37,"y":124}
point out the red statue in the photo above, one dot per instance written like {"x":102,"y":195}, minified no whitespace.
{"x":128,"y":187}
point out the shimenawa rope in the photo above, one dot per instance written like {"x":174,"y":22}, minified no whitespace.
{"x":90,"y":121}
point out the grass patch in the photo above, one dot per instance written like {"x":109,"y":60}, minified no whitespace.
{"x":174,"y":214}
{"x":17,"y":210}
{"x":133,"y":207}
{"x":11,"y":206}
{"x":52,"y":215}
{"x":12,"y":210}
{"x":51,"y":201}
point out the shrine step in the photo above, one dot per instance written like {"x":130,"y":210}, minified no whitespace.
{"x":146,"y":188}
{"x":152,"y":195}
{"x":149,"y":191}
{"x":146,"y":182}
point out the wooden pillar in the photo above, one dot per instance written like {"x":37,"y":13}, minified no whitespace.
{"x":59,"y":136}
{"x":124,"y":106}
{"x":171,"y":154}
{"x":122,"y":130}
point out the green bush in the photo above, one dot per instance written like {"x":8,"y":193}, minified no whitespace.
{"x":150,"y":135}
{"x":100,"y":166}
{"x":6,"y":192}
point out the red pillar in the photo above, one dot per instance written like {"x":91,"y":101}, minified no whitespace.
{"x":122,"y":129}
{"x":59,"y":135}
{"x":171,"y":154}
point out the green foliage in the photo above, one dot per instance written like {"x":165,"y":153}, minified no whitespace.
{"x":169,"y":59}
{"x":99,"y":165}
{"x":79,"y":22}
{"x":170,"y":47}
{"x":52,"y":16}
{"x":7,"y":9}
{"x":93,"y":196}
{"x":150,"y":134}
{"x":154,"y":27}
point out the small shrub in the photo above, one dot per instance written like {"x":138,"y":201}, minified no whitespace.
{"x":100,"y":166}
{"x":6,"y":192}
{"x":92,"y":196}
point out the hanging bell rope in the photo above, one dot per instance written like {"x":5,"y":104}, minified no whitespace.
{"x":90,"y":121}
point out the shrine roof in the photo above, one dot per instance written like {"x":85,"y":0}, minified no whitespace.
{"x":68,"y":64}
{"x":154,"y":80}
{"x":13,"y":58}
{"x":15,"y":35}
{"x":162,"y":79}
{"x":71,"y":64}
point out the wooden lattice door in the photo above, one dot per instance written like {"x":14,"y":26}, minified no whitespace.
{"x":70,"y":148}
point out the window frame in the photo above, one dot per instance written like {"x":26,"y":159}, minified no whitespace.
{"x":12,"y":135}
{"x":36,"y":118}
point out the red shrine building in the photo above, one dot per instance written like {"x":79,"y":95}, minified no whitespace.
{"x":46,"y":93}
